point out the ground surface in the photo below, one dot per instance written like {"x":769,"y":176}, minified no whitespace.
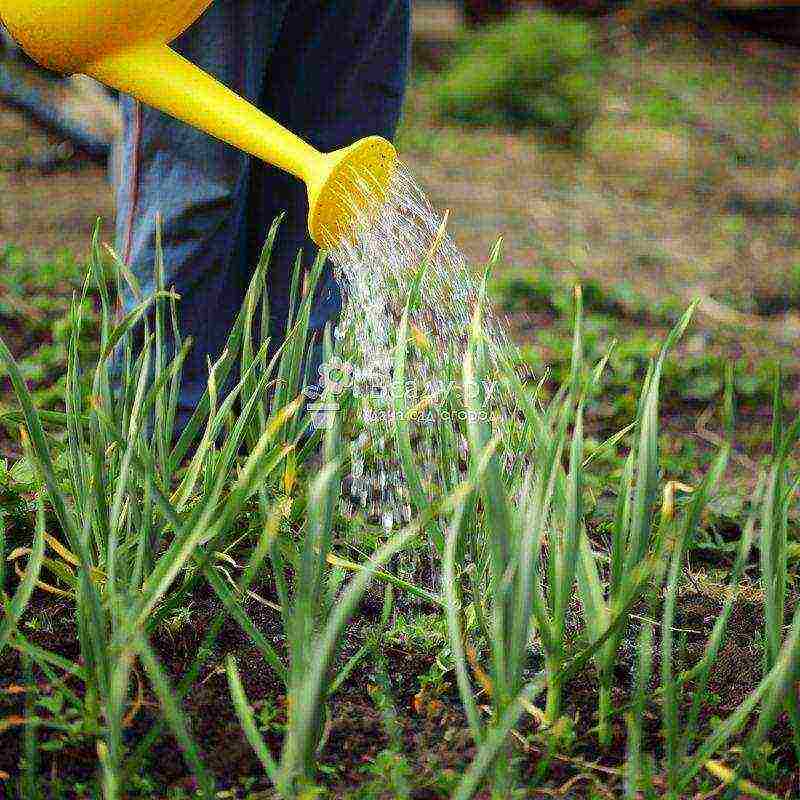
{"x":434,"y":742}
{"x":51,"y":212}
{"x":688,"y":186}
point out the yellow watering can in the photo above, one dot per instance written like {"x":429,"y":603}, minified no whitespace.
{"x":125,"y":44}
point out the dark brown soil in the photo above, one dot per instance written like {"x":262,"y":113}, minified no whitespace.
{"x":436,"y":741}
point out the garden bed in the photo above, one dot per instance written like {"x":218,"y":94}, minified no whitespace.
{"x":358,"y":761}
{"x":399,"y":725}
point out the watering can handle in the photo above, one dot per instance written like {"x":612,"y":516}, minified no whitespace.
{"x":162,"y":78}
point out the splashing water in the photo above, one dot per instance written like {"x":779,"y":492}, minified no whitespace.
{"x":376,"y":269}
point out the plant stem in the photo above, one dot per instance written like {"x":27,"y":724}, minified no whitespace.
{"x":503,"y":784}
{"x":604,"y":715}
{"x":552,"y":710}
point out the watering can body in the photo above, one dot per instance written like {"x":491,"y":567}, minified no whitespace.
{"x":125,"y":44}
{"x":70,"y":35}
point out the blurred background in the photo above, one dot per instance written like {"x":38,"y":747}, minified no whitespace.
{"x":647,"y":149}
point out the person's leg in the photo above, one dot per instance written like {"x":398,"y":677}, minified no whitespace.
{"x":199,"y":186}
{"x":337,"y":73}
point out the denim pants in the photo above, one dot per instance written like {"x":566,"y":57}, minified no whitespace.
{"x":332,"y":71}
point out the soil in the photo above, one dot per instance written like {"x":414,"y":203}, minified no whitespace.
{"x":724,"y":232}
{"x":436,"y":742}
{"x":47,"y":212}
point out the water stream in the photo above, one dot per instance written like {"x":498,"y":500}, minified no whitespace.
{"x":376,"y":269}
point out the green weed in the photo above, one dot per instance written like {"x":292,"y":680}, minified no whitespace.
{"x":538,"y":69}
{"x":547,"y":538}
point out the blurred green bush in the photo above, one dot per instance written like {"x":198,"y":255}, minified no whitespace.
{"x":536,"y":69}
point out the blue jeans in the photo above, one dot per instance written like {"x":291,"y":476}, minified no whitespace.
{"x":332,"y":71}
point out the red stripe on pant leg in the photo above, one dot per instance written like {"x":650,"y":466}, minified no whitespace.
{"x":133,"y":183}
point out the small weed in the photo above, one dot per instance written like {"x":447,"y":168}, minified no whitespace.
{"x":418,"y":632}
{"x":537,"y":69}
{"x":35,"y":297}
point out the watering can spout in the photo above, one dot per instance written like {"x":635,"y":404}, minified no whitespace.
{"x":199,"y":100}
{"x":125,"y":44}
